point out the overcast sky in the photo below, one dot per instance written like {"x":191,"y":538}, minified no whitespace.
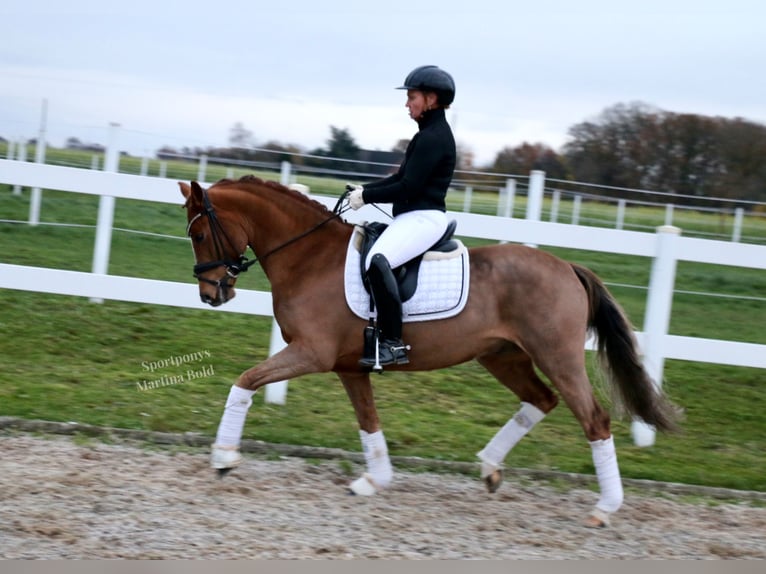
{"x":182,"y":73}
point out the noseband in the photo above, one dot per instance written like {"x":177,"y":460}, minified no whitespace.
{"x":218,"y":233}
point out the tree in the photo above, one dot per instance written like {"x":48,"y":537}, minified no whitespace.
{"x":640,"y":147}
{"x":276,"y":151}
{"x":743,"y":145}
{"x":527,"y":157}
{"x":341,"y":144}
{"x":688,"y":157}
{"x":614,"y":149}
{"x":240,"y":136}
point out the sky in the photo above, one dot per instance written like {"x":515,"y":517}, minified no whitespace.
{"x":183,"y":73}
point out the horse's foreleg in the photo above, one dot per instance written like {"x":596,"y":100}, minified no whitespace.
{"x":379,"y":470}
{"x":225,"y":451}
{"x":494,"y":453}
{"x":513,"y":369}
{"x":288,"y":363}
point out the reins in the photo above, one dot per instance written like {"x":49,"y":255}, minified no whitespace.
{"x":242,"y":264}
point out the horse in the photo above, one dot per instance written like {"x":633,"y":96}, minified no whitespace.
{"x":525,"y":309}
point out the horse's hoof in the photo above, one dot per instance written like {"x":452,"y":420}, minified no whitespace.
{"x":224,"y":458}
{"x":221,"y":472}
{"x":494,"y":480}
{"x":363,"y":486}
{"x":596,"y":519}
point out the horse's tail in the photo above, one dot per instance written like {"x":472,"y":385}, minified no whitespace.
{"x":618,"y":353}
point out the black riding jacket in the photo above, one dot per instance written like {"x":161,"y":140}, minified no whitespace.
{"x":426,"y":171}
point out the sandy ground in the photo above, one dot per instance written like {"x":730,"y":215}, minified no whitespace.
{"x":61,"y":498}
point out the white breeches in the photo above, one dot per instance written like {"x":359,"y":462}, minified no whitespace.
{"x":409,"y":235}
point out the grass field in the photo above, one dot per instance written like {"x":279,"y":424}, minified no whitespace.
{"x":64,"y":358}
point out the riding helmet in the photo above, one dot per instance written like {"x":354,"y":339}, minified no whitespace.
{"x":432,"y":79}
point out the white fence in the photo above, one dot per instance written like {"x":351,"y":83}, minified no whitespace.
{"x":666,"y":247}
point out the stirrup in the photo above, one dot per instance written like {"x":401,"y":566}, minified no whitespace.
{"x":389,"y":352}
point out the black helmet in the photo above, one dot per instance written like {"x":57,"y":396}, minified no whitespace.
{"x":432,"y":79}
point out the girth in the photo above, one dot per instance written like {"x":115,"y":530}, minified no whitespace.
{"x":406,"y":274}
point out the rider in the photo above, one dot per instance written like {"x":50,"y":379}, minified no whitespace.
{"x":417,"y":191}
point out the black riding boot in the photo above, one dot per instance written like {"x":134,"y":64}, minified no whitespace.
{"x":385,"y":293}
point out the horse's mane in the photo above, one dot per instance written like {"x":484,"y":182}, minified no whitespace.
{"x":251,"y":181}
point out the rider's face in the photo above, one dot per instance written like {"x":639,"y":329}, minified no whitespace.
{"x":418,"y":102}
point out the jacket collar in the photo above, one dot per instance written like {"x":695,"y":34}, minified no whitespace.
{"x":431,"y":116}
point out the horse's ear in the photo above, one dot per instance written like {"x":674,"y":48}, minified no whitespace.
{"x":185,"y":189}
{"x":192,"y":193}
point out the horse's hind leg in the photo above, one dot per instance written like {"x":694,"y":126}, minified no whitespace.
{"x":379,"y":471}
{"x":572,"y":382}
{"x":514,"y":369}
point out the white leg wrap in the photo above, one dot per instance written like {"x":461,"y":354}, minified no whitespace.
{"x":493,"y":455}
{"x":363,"y":486}
{"x":608,"y":474}
{"x":233,"y":419}
{"x":379,"y":471}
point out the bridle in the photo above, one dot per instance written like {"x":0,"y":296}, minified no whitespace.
{"x":242,"y":263}
{"x":219,"y":235}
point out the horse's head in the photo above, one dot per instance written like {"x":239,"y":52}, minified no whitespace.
{"x":219,"y":243}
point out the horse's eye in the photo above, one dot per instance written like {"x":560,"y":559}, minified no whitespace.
{"x":199,"y":237}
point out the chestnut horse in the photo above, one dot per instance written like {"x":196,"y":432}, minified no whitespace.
{"x":526,"y":308}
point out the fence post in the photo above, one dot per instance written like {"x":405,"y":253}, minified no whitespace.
{"x":669,"y":214}
{"x":21,"y":155}
{"x":276,"y":392}
{"x":145,"y":165}
{"x":505,"y":200}
{"x":535,"y":197}
{"x":555,"y":201}
{"x":576,"y":204}
{"x":737,"y":233}
{"x":106,"y":209}
{"x":467,"y":199}
{"x":36,"y":198}
{"x":657,"y":318}
{"x":285,"y":173}
{"x":11,"y":148}
{"x":620,"y":214}
{"x":202,"y":168}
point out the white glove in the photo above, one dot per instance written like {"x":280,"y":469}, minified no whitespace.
{"x":355,"y":198}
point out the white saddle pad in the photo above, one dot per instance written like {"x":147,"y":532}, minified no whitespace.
{"x":442,"y":289}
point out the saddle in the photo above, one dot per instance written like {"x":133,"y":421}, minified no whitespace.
{"x":407,"y":274}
